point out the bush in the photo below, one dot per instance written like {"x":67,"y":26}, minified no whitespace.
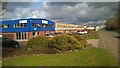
{"x":90,"y":31}
{"x":81,"y":40}
{"x":59,"y":43}
{"x":39,"y":42}
{"x":93,"y":35}
{"x":64,"y":42}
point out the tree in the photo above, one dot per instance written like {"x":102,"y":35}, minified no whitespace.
{"x":3,"y":6}
{"x":113,"y":23}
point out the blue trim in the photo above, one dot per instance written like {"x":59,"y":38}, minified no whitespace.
{"x":28,"y":27}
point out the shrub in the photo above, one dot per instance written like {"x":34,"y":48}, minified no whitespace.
{"x":39,"y":42}
{"x":81,"y":40}
{"x":93,"y":35}
{"x":90,"y":31}
{"x":64,"y":42}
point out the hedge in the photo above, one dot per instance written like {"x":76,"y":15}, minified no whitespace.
{"x":81,"y":40}
{"x":64,"y":42}
{"x":39,"y":42}
{"x":59,"y":43}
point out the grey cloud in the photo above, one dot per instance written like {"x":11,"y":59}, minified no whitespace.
{"x":112,"y":5}
{"x":18,"y":13}
{"x":72,"y":4}
{"x":11,"y":6}
{"x":18,"y":10}
{"x":68,"y":12}
{"x":79,"y":12}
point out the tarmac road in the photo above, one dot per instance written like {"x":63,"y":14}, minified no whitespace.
{"x":108,"y":40}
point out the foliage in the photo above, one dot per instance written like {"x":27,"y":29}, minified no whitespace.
{"x":64,"y":42}
{"x":113,"y":23}
{"x":59,"y":43}
{"x":81,"y":40}
{"x":39,"y":42}
{"x":92,"y":35}
{"x":90,"y":31}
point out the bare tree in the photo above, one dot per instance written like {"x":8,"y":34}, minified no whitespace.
{"x":2,"y":7}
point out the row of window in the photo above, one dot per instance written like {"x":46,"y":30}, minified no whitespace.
{"x":4,"y":26}
{"x":34,"y":33}
{"x":42,"y":25}
{"x":61,"y":26}
{"x":21,"y":25}
{"x":23,"y":36}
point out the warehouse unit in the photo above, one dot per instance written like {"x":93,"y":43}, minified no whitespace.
{"x":65,"y":28}
{"x":71,"y":28}
{"x":25,"y":29}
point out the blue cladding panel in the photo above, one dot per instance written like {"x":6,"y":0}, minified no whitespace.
{"x":28,"y":27}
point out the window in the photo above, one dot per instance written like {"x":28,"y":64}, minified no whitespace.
{"x":21,"y":36}
{"x":34,"y":33}
{"x":38,"y":33}
{"x":44,"y":25}
{"x":51,"y":26}
{"x":33,"y":25}
{"x":5,"y":26}
{"x":36,"y":25}
{"x":20,"y":25}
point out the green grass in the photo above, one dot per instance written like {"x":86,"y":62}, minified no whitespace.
{"x":92,"y":35}
{"x":88,"y":57}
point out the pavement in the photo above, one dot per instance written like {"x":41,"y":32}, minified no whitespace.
{"x":109,"y":40}
{"x":93,"y":42}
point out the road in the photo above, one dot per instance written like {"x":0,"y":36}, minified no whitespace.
{"x":108,"y":40}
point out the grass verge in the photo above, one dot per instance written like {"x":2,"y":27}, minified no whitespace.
{"x":87,"y":57}
{"x":92,"y":35}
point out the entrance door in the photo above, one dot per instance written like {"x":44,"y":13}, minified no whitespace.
{"x":21,"y":36}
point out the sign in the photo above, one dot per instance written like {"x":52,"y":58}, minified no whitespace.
{"x":35,"y":28}
{"x":23,"y":21}
{"x":44,"y":22}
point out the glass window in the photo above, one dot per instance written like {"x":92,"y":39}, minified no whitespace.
{"x":44,"y":25}
{"x":20,"y":25}
{"x":21,"y":36}
{"x":34,"y":33}
{"x":5,"y":26}
{"x":51,"y":26}
{"x":36,"y":25}
{"x":33,"y":25}
{"x":38,"y":33}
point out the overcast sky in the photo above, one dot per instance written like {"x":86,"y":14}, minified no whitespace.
{"x":79,"y":13}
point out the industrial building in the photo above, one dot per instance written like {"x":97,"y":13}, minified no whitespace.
{"x":71,"y":28}
{"x":65,"y":28}
{"x":25,"y":29}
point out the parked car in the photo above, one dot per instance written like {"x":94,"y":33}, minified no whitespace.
{"x":49,"y":35}
{"x":83,"y":32}
{"x":7,"y":42}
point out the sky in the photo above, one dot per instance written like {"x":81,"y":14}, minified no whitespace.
{"x":79,"y":13}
